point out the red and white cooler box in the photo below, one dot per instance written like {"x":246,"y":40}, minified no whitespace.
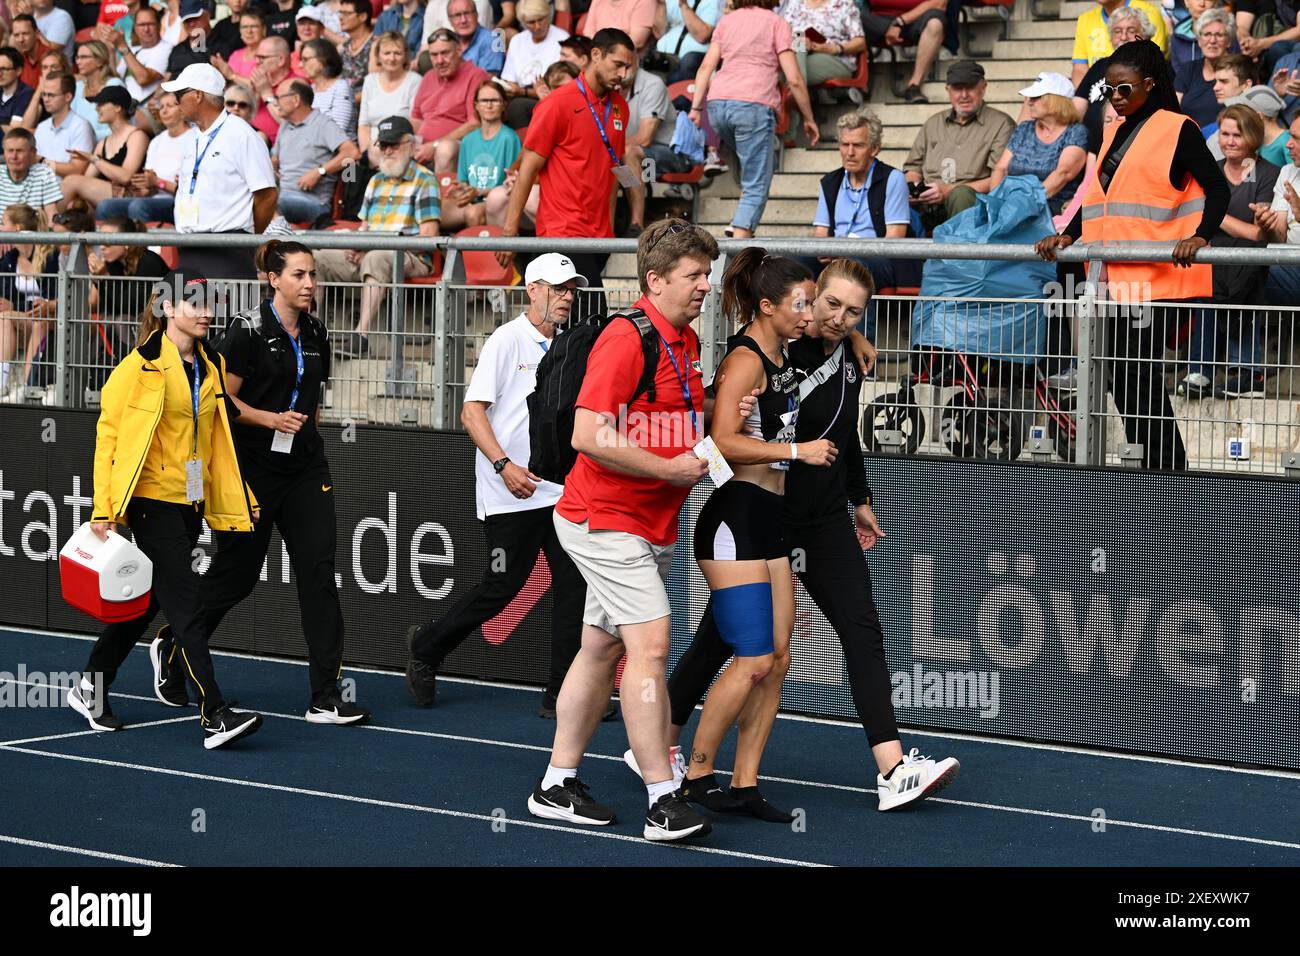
{"x":109,"y":580}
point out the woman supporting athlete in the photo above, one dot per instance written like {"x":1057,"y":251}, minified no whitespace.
{"x":165,"y":460}
{"x":815,"y":522}
{"x":278,"y":360}
{"x":738,"y":546}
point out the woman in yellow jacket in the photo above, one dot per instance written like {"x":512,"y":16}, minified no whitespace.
{"x":164,"y":460}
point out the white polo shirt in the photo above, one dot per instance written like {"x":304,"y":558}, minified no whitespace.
{"x":53,"y":142}
{"x":505,"y":376}
{"x":235,"y":165}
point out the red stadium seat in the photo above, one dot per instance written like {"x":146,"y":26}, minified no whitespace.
{"x":579,"y":25}
{"x":692,"y":176}
{"x":482,"y":268}
{"x":564,"y":20}
{"x":84,"y":34}
{"x":858,"y":81}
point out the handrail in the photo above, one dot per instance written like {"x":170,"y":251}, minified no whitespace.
{"x":1273,"y":255}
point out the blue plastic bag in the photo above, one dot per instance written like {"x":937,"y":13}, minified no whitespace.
{"x":1015,"y":212}
{"x":688,"y":139}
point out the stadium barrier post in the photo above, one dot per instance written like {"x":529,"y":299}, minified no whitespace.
{"x":397,"y":327}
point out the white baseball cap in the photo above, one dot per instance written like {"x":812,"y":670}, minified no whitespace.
{"x":1049,"y":83}
{"x":309,"y":13}
{"x":553,"y":268}
{"x":198,"y":76}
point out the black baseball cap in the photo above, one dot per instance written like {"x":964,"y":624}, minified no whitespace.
{"x":965,"y":73}
{"x":117,"y":95}
{"x":394,"y":128}
{"x":180,"y":284}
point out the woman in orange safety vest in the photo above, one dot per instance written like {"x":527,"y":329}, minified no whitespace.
{"x":1157,"y":184}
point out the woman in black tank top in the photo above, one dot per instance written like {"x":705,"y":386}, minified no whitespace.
{"x":738,"y":541}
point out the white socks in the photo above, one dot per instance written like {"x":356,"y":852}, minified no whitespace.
{"x":657,"y":790}
{"x":555,"y":776}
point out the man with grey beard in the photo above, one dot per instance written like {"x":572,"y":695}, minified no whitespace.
{"x":403,"y":197}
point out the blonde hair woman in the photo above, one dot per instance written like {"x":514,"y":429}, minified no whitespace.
{"x":1051,"y":145}
{"x":164,"y":462}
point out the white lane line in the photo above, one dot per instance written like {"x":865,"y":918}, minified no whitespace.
{"x":82,"y":851}
{"x":1121,"y":823}
{"x":87,"y":733}
{"x":842,"y":724}
{"x":794,"y":781}
{"x":394,"y":805}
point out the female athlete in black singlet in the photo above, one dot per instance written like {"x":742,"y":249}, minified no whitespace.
{"x":738,"y":541}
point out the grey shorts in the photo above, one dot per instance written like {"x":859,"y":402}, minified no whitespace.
{"x":625,"y":574}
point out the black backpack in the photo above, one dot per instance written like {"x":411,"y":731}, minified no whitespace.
{"x":559,"y":379}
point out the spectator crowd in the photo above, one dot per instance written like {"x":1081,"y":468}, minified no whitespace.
{"x":414,"y":116}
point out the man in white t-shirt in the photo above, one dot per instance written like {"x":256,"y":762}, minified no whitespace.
{"x":227,"y":183}
{"x":142,"y":66}
{"x":514,"y":505}
{"x":55,"y":25}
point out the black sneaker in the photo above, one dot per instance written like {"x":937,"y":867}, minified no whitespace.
{"x":333,"y":709}
{"x":352,"y":345}
{"x":421,"y":678}
{"x":226,"y":725}
{"x":1195,"y":386}
{"x":570,"y":802}
{"x":547,"y":710}
{"x":913,"y":94}
{"x":168,"y":672}
{"x":1241,"y":385}
{"x":98,"y":714}
{"x":708,"y":793}
{"x":672,"y":818}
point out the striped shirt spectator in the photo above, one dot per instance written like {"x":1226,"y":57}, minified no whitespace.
{"x":22,"y":179}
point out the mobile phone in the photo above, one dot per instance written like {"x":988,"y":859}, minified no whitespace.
{"x":812,"y":34}
{"x":916,"y":189}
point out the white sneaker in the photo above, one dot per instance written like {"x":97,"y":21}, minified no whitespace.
{"x":917,"y":778}
{"x":1066,"y":380}
{"x":675,"y":758}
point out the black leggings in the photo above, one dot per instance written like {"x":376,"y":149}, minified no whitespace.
{"x":167,"y":533}
{"x":838,"y":580}
{"x":302,"y":508}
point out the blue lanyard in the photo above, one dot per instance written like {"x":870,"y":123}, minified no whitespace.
{"x":544,"y":346}
{"x":198,"y":160}
{"x":297,"y":351}
{"x":681,"y":380}
{"x":600,"y":127}
{"x":195,"y":391}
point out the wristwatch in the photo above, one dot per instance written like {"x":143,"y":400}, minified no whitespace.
{"x":500,"y":465}
{"x":321,"y":170}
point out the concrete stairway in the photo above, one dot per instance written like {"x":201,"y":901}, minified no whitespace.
{"x":1034,"y":45}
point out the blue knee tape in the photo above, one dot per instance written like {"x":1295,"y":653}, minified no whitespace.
{"x":744,"y":617}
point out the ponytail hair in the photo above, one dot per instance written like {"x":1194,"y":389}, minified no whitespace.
{"x":152,"y":319}
{"x":849,"y":269}
{"x":753,"y":276}
{"x":1145,"y":57}
{"x":272,"y":256}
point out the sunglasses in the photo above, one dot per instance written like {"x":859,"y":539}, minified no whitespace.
{"x":676,"y":228}
{"x":238,"y":104}
{"x":1123,"y":89}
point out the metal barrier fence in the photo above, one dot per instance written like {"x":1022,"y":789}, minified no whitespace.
{"x":1070,"y":377}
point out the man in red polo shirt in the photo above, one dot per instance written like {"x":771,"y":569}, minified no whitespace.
{"x":617,"y":520}
{"x":574,"y":147}
{"x":443,"y":111}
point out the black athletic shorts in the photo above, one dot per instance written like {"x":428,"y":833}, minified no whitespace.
{"x":740,"y":522}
